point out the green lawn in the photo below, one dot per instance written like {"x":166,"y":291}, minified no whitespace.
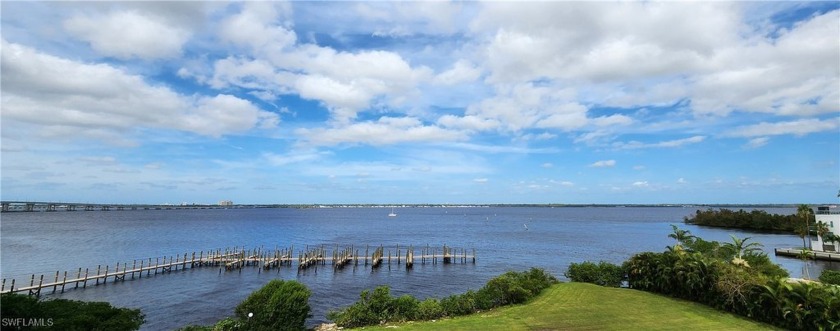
{"x":581,"y":306}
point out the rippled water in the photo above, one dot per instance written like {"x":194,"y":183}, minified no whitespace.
{"x":513,"y":238}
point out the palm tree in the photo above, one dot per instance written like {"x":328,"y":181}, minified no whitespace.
{"x":831,"y":238}
{"x":822,"y":230}
{"x":681,"y":236}
{"x":740,"y":246}
{"x":805,"y":213}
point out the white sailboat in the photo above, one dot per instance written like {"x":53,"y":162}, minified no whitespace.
{"x":392,"y":214}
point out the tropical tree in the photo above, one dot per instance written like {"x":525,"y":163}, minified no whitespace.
{"x":680,"y":235}
{"x":805,"y":213}
{"x":740,"y":246}
{"x":831,"y":238}
{"x":822,"y":230}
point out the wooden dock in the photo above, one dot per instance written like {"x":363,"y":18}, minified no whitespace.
{"x":816,"y":255}
{"x":237,"y":259}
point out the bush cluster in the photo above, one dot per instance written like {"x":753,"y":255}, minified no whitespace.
{"x":279,"y":305}
{"x":830,"y":277}
{"x":730,"y":277}
{"x":741,"y":219}
{"x":603,"y":273}
{"x":379,"y":307}
{"x":754,"y":293}
{"x":62,"y":314}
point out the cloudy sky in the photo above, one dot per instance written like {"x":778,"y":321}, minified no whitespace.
{"x":421,"y":102}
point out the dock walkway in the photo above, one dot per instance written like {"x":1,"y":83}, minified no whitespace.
{"x":817,"y":255}
{"x":238,"y":258}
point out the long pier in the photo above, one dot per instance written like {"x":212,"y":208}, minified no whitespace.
{"x":237,"y":259}
{"x":816,"y":255}
{"x":45,"y":206}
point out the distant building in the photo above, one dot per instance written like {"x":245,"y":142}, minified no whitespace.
{"x":225,"y":203}
{"x":830,"y":216}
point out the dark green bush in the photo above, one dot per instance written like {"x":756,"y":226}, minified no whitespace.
{"x":279,"y":305}
{"x":62,"y":314}
{"x":429,"y":309}
{"x":603,"y":273}
{"x":459,"y":304}
{"x":760,"y":291}
{"x":503,"y":290}
{"x":379,"y":307}
{"x":405,"y":308}
{"x":372,"y":308}
{"x":830,"y":277}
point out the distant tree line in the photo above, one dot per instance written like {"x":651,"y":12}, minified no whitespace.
{"x":759,"y":220}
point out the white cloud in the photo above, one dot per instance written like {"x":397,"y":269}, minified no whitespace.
{"x":798,"y":128}
{"x":462,"y":72}
{"x":603,"y":164}
{"x":385,"y":131}
{"x":757,"y":142}
{"x":127,"y":34}
{"x":682,"y":181}
{"x":662,"y":144}
{"x":110,"y":103}
{"x":469,"y":122}
{"x":547,"y":165}
{"x":481,"y":180}
{"x":612,"y":120}
{"x":254,"y":27}
{"x":641,"y":184}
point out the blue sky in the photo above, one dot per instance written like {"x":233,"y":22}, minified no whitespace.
{"x":421,"y":102}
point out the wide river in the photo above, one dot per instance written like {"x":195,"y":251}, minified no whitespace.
{"x":508,"y":238}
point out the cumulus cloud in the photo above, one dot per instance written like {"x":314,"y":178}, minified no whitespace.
{"x":385,"y":131}
{"x":603,"y":164}
{"x":108,"y":100}
{"x":798,"y":128}
{"x":462,"y":72}
{"x":470,"y":122}
{"x":662,"y":144}
{"x":126,"y":34}
{"x":757,"y":142}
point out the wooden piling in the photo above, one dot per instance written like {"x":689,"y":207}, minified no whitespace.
{"x":78,"y":276}
{"x":55,"y":283}
{"x":84,"y":283}
{"x":64,"y":282}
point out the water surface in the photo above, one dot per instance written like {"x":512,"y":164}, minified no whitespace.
{"x":510,"y":238}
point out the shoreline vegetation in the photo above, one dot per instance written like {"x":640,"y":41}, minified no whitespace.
{"x":758,"y":220}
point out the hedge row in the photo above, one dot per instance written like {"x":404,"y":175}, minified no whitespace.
{"x":379,"y":307}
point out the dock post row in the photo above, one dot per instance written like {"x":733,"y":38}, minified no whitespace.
{"x":236,"y":259}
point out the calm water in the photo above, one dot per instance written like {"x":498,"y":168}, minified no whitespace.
{"x":42,"y":243}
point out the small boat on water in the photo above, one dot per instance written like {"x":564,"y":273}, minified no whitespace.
{"x":392,"y":214}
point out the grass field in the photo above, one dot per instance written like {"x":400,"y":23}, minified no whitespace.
{"x":581,"y":306}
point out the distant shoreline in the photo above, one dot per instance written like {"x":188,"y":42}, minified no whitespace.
{"x":35,"y":206}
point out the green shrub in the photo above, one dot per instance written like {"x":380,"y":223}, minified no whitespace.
{"x":405,"y":308}
{"x":830,"y":277}
{"x":429,"y":309}
{"x":459,"y":305}
{"x":279,"y":305}
{"x":503,"y":290}
{"x":372,"y":308}
{"x":62,"y":314}
{"x":603,"y":273}
{"x":379,"y":307}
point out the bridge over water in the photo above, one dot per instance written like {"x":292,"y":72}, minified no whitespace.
{"x":38,"y":206}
